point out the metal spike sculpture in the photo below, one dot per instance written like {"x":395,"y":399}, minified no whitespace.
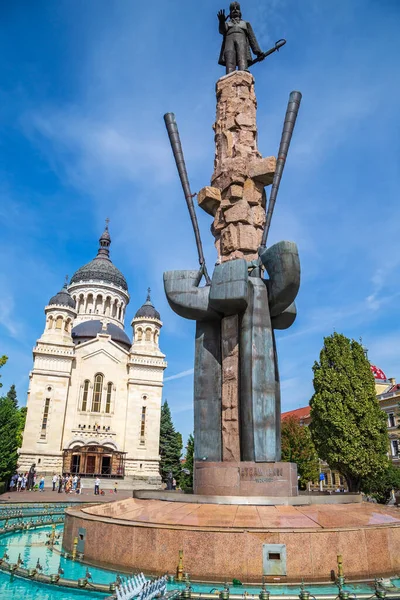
{"x":176,"y":146}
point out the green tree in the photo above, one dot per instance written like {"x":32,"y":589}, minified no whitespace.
{"x":3,"y":360}
{"x":170,"y":446}
{"x":348,"y":427}
{"x":297,"y":447}
{"x":12,"y":395}
{"x":380,"y":486}
{"x":186,"y":482}
{"x":9,"y":437}
{"x":22,"y":420}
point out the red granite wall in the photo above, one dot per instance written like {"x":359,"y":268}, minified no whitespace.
{"x":216,"y":555}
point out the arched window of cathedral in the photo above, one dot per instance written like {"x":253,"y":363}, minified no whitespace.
{"x":98,"y":388}
{"x":108,"y":399}
{"x":120,"y":312}
{"x":107,"y":306}
{"x":50,"y":323}
{"x":45,"y":419}
{"x":99,"y":305}
{"x":59,"y":323}
{"x":156,"y":336}
{"x":148,"y":335}
{"x":89,"y":303}
{"x":143,"y":425}
{"x":81,"y":304}
{"x":114,"y":308}
{"x":139,"y":334}
{"x":86,"y":385}
{"x":67,"y":324}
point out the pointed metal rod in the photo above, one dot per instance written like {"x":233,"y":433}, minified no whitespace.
{"x":176,"y":146}
{"x":288,"y":126}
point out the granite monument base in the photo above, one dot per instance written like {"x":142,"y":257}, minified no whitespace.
{"x":247,"y":542}
{"x":245,"y":478}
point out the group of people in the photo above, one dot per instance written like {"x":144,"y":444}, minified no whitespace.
{"x":67,"y":483}
{"x":70,"y":484}
{"x":21,"y":482}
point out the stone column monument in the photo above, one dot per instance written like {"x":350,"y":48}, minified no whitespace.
{"x":252,"y":291}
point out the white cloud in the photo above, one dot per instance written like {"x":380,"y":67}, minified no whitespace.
{"x":179,"y":375}
{"x":93,"y":152}
{"x":8,"y":320}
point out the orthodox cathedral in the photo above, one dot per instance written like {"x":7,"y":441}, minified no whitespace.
{"x":94,"y":398}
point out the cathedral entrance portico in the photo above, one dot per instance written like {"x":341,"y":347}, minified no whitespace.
{"x":94,"y":459}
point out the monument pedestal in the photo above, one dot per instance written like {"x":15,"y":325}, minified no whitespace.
{"x":245,"y":478}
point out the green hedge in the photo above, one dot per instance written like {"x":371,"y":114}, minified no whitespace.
{"x":3,"y":487}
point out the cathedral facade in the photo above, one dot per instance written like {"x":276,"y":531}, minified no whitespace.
{"x":94,"y":398}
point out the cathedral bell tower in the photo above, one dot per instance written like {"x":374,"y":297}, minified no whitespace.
{"x":50,"y":378}
{"x":145,"y":382}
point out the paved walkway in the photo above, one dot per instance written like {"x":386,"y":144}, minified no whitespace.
{"x":87,"y":495}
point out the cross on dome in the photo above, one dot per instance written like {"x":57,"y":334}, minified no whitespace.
{"x":147,"y":309}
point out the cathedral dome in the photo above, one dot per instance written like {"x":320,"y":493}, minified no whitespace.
{"x":63,"y":298}
{"x":147,"y":310}
{"x":89,"y":330}
{"x":101,"y":268}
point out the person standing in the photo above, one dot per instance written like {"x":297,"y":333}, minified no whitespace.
{"x":19,"y":482}
{"x":60,"y":483}
{"x":13,"y":483}
{"x":24,"y":482}
{"x":78,"y":485}
{"x":54,"y":482}
{"x":96,"y":486}
{"x":31,"y":477}
{"x":68,"y":484}
{"x":41,"y":484}
{"x":74,"y":482}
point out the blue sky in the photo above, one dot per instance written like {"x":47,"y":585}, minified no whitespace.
{"x":84,"y":87}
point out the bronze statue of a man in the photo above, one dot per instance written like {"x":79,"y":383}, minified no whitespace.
{"x":238,"y":39}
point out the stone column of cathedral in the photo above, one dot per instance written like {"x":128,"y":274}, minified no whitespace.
{"x":236,"y":199}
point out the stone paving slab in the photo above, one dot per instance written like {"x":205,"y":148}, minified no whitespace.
{"x":180,"y":514}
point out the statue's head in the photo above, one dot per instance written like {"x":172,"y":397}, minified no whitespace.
{"x":234,"y":10}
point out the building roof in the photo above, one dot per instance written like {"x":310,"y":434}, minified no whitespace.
{"x":63,"y":298}
{"x":89,"y":330}
{"x":147,"y":310}
{"x":298,"y":413}
{"x":101,"y":268}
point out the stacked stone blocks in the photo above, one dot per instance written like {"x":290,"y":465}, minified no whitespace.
{"x":236,"y":198}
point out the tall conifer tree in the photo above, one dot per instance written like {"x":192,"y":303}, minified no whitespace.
{"x":12,"y":395}
{"x":10,"y":428}
{"x":348,"y":427}
{"x":170,"y":446}
{"x":187,"y":473}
